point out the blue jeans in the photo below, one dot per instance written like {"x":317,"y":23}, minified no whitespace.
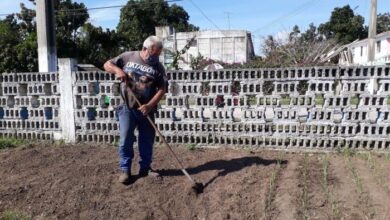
{"x":129,"y":119}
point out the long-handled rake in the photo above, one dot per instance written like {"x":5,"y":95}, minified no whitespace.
{"x":197,"y":187}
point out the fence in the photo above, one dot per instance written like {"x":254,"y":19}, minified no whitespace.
{"x":292,"y":108}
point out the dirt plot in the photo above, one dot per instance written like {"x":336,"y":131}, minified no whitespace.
{"x":80,"y":182}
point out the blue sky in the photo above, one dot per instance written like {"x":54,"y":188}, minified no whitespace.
{"x":262,"y":18}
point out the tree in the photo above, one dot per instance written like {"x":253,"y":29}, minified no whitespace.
{"x":344,"y":26}
{"x":8,"y":40}
{"x":301,"y":49}
{"x":138,"y":20}
{"x":383,"y":23}
{"x":75,"y":38}
{"x":67,"y":24}
{"x":96,"y":45}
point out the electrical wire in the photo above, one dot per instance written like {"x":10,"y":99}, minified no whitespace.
{"x":296,"y":11}
{"x":80,"y":10}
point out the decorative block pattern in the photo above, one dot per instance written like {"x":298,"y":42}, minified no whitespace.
{"x":285,"y":108}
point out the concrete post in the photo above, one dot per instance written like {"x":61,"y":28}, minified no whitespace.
{"x":66,"y":80}
{"x":372,"y":32}
{"x":47,"y":55}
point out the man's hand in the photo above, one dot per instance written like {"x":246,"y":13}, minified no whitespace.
{"x":145,"y":109}
{"x":122,"y":76}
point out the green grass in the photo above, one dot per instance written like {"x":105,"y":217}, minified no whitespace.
{"x":272,"y":189}
{"x":355,"y":176}
{"x":191,"y":147}
{"x":10,"y":142}
{"x":388,"y":100}
{"x":355,"y":100}
{"x":251,"y":100}
{"x":305,"y":196}
{"x":285,"y":100}
{"x":329,"y":194}
{"x":319,"y":100}
{"x":14,"y":215}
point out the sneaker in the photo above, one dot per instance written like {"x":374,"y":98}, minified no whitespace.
{"x":125,"y":177}
{"x":143,"y":173}
{"x":148,"y":172}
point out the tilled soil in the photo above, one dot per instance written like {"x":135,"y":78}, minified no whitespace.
{"x":81,"y":182}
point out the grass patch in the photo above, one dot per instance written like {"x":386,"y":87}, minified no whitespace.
{"x":388,"y":100}
{"x":329,"y":195}
{"x":354,"y":100}
{"x":285,"y":100}
{"x":305,"y":196}
{"x":272,"y":189}
{"x":10,"y":142}
{"x":364,"y":198}
{"x":14,"y":215}
{"x":355,"y":176}
{"x":377,"y":171}
{"x":319,"y":99}
{"x":251,"y":100}
{"x":191,"y":147}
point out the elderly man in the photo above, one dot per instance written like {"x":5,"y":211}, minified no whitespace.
{"x":148,"y":84}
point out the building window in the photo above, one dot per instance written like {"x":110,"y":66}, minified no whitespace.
{"x":361,"y":51}
{"x":378,"y":46}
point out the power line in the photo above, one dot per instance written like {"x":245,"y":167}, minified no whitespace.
{"x":80,"y":10}
{"x":116,"y":6}
{"x":296,"y":11}
{"x":204,"y":15}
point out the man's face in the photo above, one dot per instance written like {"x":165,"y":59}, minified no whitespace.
{"x":154,"y":51}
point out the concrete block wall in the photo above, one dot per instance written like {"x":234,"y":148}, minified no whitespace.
{"x":292,"y":108}
{"x":96,"y":96}
{"x":287,"y":108}
{"x":29,"y":106}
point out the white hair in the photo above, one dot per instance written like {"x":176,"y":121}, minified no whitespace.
{"x":152,"y":41}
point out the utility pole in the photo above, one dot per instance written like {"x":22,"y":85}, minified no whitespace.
{"x":47,"y":53}
{"x":372,"y":32}
{"x":228,"y":17}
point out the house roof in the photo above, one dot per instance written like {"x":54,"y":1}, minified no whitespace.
{"x":383,"y":34}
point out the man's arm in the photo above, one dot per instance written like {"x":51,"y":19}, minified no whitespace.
{"x":146,"y":108}
{"x":114,"y":69}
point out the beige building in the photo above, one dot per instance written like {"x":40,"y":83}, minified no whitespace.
{"x":228,"y":46}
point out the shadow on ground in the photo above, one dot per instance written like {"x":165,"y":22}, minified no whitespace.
{"x":224,"y":166}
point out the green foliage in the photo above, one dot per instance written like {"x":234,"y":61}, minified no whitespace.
{"x":138,"y":20}
{"x":14,"y":215}
{"x":344,"y":26}
{"x":302,"y":87}
{"x":75,"y":38}
{"x":268,"y":87}
{"x":355,"y":100}
{"x":383,"y":23}
{"x":319,"y":99}
{"x":196,"y":61}
{"x":285,"y":100}
{"x":251,"y":100}
{"x":178,"y":53}
{"x":191,"y":147}
{"x":300,"y":49}
{"x":10,"y":142}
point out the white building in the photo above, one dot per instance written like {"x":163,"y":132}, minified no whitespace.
{"x":228,"y":46}
{"x":356,"y":53}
